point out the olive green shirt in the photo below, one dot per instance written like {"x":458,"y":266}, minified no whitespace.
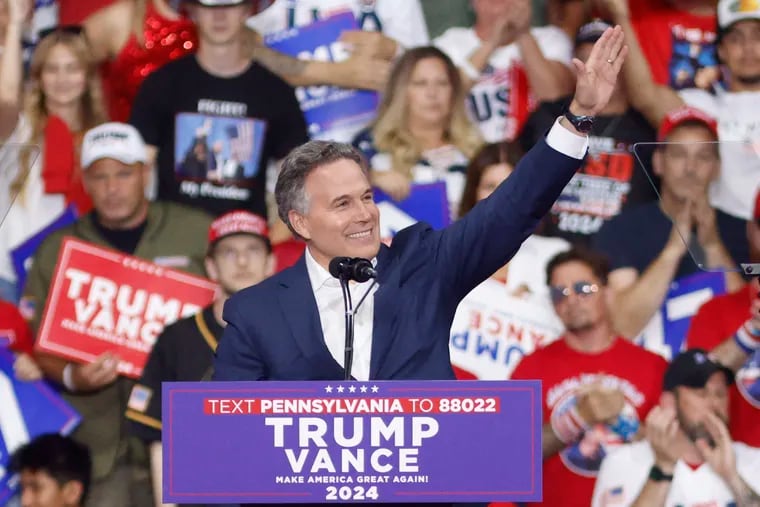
{"x":175,"y":236}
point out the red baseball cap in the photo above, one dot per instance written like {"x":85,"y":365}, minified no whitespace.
{"x":238,"y":222}
{"x":682,"y":115}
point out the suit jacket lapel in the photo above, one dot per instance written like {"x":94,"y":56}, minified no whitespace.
{"x":297,"y":300}
{"x":384,"y":321}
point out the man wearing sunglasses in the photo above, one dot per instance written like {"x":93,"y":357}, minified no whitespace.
{"x":596,"y":386}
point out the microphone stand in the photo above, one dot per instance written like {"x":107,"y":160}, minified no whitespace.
{"x":348,"y":358}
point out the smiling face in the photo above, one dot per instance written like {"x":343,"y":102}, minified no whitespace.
{"x":341,"y":218}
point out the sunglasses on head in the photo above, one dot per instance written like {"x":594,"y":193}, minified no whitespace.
{"x":559,"y":293}
{"x":71,"y":29}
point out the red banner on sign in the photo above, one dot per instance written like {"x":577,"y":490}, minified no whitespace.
{"x":101,"y":300}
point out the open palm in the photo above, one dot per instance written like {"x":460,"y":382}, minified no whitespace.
{"x":595,"y":79}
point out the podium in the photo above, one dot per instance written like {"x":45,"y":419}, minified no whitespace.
{"x":358,"y":442}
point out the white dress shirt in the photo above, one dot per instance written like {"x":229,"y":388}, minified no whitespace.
{"x":329,"y":296}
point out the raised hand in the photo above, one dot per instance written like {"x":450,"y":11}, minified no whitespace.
{"x":596,"y":79}
{"x":661,"y":430}
{"x":720,"y":456}
{"x":704,"y":217}
{"x":680,"y":231}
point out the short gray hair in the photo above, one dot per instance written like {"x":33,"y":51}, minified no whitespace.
{"x":290,"y":190}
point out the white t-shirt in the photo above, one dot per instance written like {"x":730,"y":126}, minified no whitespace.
{"x":493,"y":328}
{"x":500,"y":101}
{"x":31,"y":211}
{"x":625,"y":471}
{"x":738,"y":116}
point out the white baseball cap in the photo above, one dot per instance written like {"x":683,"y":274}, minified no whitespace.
{"x":118,"y":141}
{"x":731,"y":11}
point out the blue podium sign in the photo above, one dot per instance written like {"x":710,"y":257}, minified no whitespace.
{"x":333,"y":442}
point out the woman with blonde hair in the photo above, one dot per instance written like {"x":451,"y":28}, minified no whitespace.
{"x":39,"y":144}
{"x":422,"y":133}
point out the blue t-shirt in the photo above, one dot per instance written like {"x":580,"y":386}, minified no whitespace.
{"x":635,"y":238}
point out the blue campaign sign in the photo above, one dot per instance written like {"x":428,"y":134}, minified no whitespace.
{"x":22,"y":254}
{"x":334,"y":442}
{"x":666,"y":333}
{"x":427,"y":203}
{"x":326,"y":107}
{"x":28,"y":409}
{"x":684,"y":298}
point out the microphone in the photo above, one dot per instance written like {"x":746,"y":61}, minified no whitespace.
{"x":346,"y":268}
{"x":362,"y":270}
{"x":341,"y":268}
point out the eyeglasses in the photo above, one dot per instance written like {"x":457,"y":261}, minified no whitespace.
{"x":70,"y":29}
{"x":559,"y":293}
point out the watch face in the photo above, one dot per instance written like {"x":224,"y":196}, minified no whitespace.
{"x":584,"y":125}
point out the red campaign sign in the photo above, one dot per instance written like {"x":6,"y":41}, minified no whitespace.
{"x":101,"y":300}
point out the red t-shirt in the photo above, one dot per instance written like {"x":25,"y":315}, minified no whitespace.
{"x":14,"y":330}
{"x":569,"y":476}
{"x":679,"y":47}
{"x":717,"y":320}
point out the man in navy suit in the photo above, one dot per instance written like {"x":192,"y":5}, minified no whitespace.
{"x":291,"y":326}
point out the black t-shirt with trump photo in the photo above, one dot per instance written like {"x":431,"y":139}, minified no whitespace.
{"x":610,"y":180}
{"x":215,"y":135}
{"x":184,"y":352}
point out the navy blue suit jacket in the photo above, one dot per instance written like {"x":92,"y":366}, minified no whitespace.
{"x":274,"y":331}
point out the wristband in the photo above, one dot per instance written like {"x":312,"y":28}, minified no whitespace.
{"x":68,"y":377}
{"x":657,"y":475}
{"x":570,"y":426}
{"x":747,"y":338}
{"x":469,"y":70}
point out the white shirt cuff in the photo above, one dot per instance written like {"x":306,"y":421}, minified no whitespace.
{"x":568,"y":143}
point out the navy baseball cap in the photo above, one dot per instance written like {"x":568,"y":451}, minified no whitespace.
{"x":693,"y":368}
